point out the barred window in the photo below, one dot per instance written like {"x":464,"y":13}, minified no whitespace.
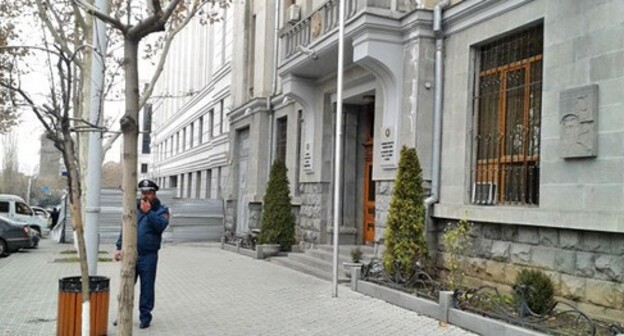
{"x":508,"y":99}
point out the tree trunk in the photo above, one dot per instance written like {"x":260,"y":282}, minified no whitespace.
{"x":129,"y":127}
{"x":76,"y":211}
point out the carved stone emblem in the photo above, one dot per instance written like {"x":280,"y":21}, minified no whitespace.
{"x":578,"y":119}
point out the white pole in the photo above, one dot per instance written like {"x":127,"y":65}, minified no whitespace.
{"x":94,"y":173}
{"x":338,"y":150}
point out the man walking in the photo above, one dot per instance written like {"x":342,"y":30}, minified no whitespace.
{"x":153,"y":218}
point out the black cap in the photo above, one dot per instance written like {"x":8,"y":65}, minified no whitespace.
{"x":147,"y":185}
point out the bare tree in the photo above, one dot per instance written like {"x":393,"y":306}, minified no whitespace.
{"x":65,"y":23}
{"x":55,"y":114}
{"x":169,"y":17}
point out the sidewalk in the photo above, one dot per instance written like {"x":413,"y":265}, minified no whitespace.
{"x":202,"y":290}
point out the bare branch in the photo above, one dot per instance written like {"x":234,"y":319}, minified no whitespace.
{"x":89,"y":8}
{"x":80,"y":21}
{"x":155,"y":22}
{"x":163,"y":57}
{"x":46,"y":20}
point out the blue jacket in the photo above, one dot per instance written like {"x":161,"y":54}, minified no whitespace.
{"x":149,"y":228}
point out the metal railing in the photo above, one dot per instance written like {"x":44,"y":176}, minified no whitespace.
{"x":560,"y":318}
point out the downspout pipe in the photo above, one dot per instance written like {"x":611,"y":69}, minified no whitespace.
{"x":437,"y":115}
{"x":269,"y":104}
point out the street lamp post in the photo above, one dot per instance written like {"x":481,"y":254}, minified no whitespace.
{"x":338,"y":148}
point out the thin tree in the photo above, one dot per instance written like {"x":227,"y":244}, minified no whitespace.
{"x":162,"y":16}
{"x":55,"y":114}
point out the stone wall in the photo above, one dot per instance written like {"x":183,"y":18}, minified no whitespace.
{"x":313,"y":211}
{"x":587,"y":268}
{"x":230,"y":215}
{"x":255,"y":215}
{"x":382,"y":204}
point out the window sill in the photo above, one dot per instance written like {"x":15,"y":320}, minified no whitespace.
{"x":533,"y":216}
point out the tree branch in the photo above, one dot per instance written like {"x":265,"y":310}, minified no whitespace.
{"x":104,"y":17}
{"x":163,"y":57}
{"x":55,"y":34}
{"x":155,"y":22}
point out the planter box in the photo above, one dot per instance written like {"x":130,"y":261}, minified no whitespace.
{"x":239,"y":250}
{"x":443,"y":311}
{"x":401,"y":299}
{"x":267,"y":250}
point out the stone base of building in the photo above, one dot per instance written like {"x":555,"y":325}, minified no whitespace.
{"x":587,"y":268}
{"x":313,"y":218}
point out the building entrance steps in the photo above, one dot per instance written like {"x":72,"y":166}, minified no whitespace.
{"x":318,"y":261}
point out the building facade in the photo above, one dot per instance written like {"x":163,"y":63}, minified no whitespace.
{"x":530,"y":141}
{"x":190,"y":106}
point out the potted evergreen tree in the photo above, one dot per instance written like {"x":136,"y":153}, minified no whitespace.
{"x":356,"y":261}
{"x":405,"y":231}
{"x":278,"y":222}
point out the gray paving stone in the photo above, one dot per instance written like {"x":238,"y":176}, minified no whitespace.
{"x":203,"y":290}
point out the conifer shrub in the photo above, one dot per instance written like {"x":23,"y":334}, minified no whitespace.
{"x":540,"y":293}
{"x":405,"y":230}
{"x":278,"y":221}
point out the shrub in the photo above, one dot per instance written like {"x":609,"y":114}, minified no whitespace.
{"x":458,"y":243}
{"x":356,"y":255}
{"x":405,"y":231}
{"x":539,"y":295}
{"x":278,"y":221}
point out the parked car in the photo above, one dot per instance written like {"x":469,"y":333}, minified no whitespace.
{"x":14,"y":236}
{"x":41,"y":212}
{"x":15,"y":208}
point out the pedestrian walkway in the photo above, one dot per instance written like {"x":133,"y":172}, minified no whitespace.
{"x":203,"y":290}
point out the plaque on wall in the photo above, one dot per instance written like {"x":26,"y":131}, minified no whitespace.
{"x":308,"y":166}
{"x":578,"y":119}
{"x":387,"y":149}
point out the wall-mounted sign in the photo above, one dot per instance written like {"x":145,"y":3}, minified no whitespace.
{"x":308,"y":166}
{"x":387,"y":149}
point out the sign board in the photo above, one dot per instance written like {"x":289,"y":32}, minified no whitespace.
{"x":308,"y":166}
{"x":387,"y":149}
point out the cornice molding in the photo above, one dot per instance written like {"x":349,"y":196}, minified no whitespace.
{"x":469,"y":13}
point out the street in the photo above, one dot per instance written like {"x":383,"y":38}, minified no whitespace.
{"x":203,"y":290}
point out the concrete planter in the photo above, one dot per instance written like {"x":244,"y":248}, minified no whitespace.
{"x":442,"y":310}
{"x":267,"y":250}
{"x":348,"y":268}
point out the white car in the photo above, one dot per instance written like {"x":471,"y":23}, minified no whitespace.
{"x":15,"y":208}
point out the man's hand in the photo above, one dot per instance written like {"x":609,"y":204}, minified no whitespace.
{"x":145,"y":206}
{"x":117,"y":255}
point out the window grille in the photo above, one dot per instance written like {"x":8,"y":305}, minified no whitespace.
{"x":508,"y":101}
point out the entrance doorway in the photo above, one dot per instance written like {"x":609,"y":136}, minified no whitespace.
{"x":369,"y":184}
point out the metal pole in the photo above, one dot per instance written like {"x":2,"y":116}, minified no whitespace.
{"x":94,"y":173}
{"x":338,"y":150}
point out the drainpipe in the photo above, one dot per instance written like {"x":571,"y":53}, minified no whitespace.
{"x":437,"y":120}
{"x":269,"y":105}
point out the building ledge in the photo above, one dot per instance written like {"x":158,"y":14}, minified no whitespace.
{"x":600,"y":221}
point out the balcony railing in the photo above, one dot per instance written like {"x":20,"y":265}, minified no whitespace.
{"x":317,"y":24}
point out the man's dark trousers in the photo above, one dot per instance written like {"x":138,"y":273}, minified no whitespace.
{"x":146,"y":270}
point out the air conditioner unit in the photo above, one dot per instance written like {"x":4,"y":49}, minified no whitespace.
{"x":484,"y":193}
{"x":294,"y":14}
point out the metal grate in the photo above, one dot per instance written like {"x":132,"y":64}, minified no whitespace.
{"x":508,"y":120}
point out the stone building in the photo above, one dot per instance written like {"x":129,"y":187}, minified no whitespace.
{"x":532,"y":142}
{"x":189,"y":135}
{"x":524,"y":139}
{"x":531,"y":128}
{"x":49,"y":160}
